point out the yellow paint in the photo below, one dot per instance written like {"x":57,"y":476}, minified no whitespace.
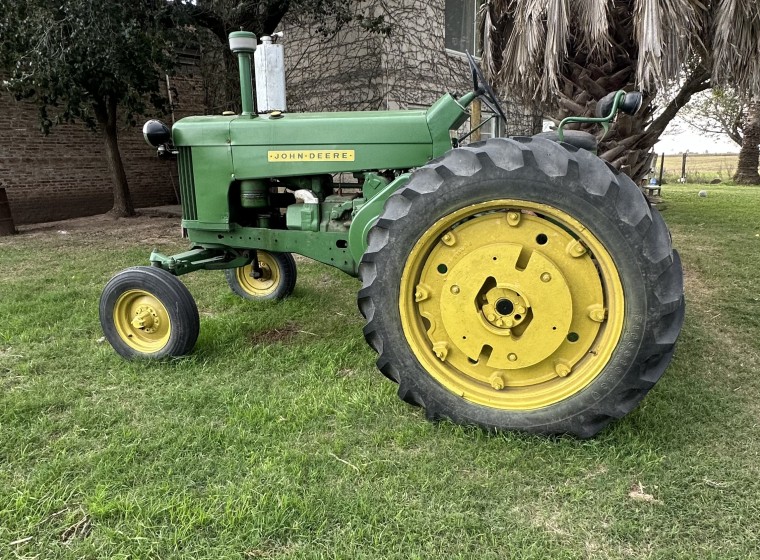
{"x":302,"y":156}
{"x":142,"y":321}
{"x":517,"y":314}
{"x":270,"y":276}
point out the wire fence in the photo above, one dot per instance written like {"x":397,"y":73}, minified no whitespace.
{"x":692,"y":168}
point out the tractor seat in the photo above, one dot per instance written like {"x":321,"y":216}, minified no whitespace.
{"x":577,"y":138}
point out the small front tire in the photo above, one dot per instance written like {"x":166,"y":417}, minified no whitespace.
{"x":277,"y":281}
{"x":146,"y":312}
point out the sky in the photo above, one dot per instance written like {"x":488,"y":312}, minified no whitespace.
{"x":679,"y":137}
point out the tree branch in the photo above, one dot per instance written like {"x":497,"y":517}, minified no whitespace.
{"x":698,"y":81}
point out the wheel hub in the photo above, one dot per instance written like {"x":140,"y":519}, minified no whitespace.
{"x":141,"y":321}
{"x":147,"y":319}
{"x":491,"y":318}
{"x":259,"y":282}
{"x":504,"y":308}
{"x":510,"y":304}
{"x":262,"y":274}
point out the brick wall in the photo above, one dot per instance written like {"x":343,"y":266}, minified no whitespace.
{"x":65,"y":174}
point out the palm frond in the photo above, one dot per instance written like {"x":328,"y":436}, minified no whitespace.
{"x":530,"y":42}
{"x":524,"y":50}
{"x":589,"y":21}
{"x":666,"y":32}
{"x":555,"y":52}
{"x":736,"y":45}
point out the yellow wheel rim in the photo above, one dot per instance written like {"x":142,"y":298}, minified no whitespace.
{"x":511,"y":304}
{"x":270,"y":276}
{"x":142,"y":321}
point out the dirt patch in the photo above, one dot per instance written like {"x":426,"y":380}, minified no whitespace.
{"x":101,"y":229}
{"x":284,"y":334}
{"x":638,"y":494}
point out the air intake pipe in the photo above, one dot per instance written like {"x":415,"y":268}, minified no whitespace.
{"x":243,"y":44}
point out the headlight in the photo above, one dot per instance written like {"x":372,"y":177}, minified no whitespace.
{"x":156,"y":133}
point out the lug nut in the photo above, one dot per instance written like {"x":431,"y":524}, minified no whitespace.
{"x":497,"y":381}
{"x":421,"y":293}
{"x":441,"y":350}
{"x":449,"y":239}
{"x":576,"y":249}
{"x":597,"y":315}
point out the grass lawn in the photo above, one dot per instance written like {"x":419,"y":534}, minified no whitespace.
{"x":278,"y":438}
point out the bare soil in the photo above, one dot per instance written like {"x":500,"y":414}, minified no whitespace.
{"x":146,"y":228}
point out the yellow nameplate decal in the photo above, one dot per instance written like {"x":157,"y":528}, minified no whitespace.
{"x":294,"y":156}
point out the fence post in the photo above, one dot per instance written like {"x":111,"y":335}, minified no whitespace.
{"x":683,"y":168}
{"x":662,"y":167}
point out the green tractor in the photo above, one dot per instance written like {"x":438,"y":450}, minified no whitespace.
{"x":515,"y":284}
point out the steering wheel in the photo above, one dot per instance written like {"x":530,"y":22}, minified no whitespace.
{"x":483,"y":88}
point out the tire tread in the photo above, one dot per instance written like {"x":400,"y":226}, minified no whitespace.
{"x":608,"y":188}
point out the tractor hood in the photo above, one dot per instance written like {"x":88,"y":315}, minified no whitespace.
{"x":314,"y":143}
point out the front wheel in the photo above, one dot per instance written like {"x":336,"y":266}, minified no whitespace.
{"x":522,"y":284}
{"x":274,"y":279}
{"x":147,"y":312}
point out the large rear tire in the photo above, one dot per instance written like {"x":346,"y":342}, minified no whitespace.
{"x":522,"y":284}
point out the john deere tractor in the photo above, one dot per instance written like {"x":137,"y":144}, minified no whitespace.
{"x":517,"y":283}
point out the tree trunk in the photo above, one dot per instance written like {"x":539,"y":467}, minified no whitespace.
{"x":105,"y":112}
{"x":749,"y":156}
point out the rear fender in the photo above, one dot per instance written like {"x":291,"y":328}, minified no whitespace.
{"x":367,"y":216}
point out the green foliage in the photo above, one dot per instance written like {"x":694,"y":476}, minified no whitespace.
{"x":76,"y":57}
{"x":263,"y":16}
{"x":717,"y":111}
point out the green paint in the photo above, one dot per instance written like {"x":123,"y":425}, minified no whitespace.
{"x":604,"y":121}
{"x":199,"y":258}
{"x":327,"y":247}
{"x":231,"y":167}
{"x":303,"y":217}
{"x":367,"y":215}
{"x":244,"y":61}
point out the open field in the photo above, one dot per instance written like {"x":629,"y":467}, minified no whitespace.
{"x":700,"y":168}
{"x":277,"y":438}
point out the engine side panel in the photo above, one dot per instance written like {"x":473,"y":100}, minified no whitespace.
{"x":316,"y":143}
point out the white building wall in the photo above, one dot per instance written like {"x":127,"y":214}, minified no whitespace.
{"x":359,"y":70}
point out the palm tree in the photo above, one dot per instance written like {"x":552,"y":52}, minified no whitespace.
{"x":564,"y":55}
{"x":749,"y":156}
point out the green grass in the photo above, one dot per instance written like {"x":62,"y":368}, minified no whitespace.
{"x":277,"y":437}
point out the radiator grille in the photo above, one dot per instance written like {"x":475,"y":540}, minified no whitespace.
{"x":187,"y":184}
